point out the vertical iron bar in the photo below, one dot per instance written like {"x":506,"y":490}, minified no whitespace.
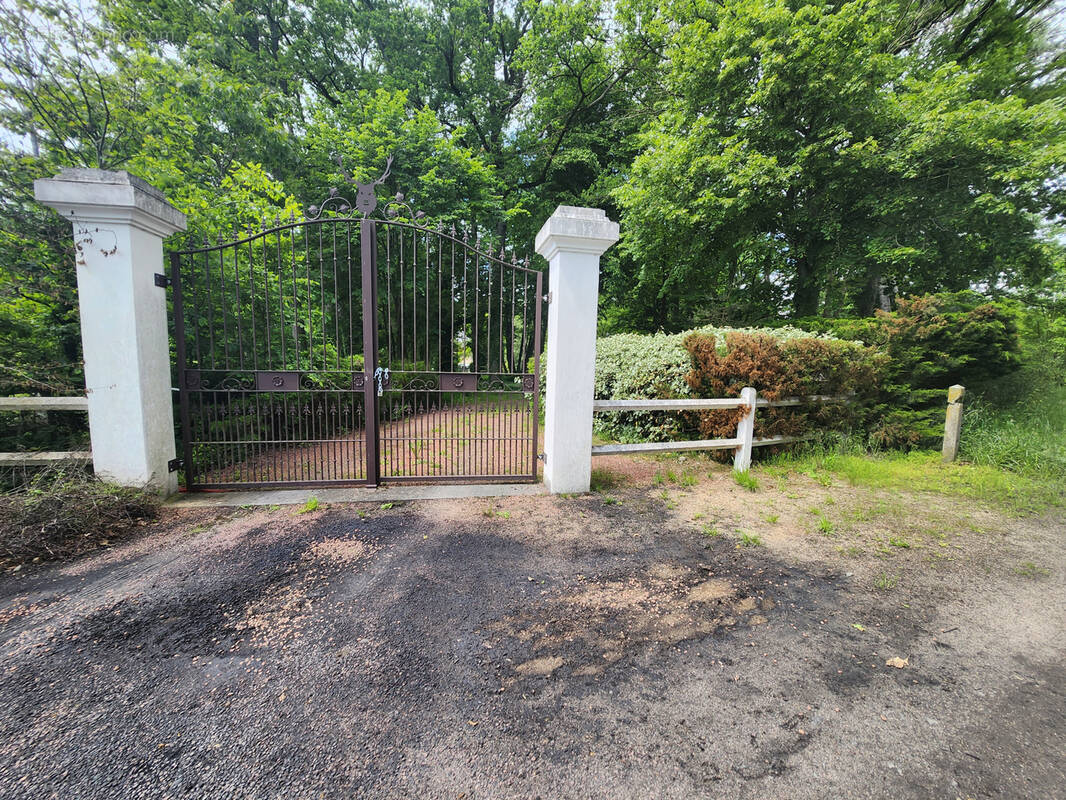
{"x":179,"y":346}
{"x":368,"y":242}
{"x":536,"y":370}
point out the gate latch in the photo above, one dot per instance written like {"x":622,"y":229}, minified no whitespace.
{"x":381,"y":374}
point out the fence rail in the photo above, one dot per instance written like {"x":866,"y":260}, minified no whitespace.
{"x":44,"y":403}
{"x":741,"y":445}
{"x":44,"y":458}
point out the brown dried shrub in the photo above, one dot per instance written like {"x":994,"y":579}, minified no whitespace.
{"x":780,"y":369}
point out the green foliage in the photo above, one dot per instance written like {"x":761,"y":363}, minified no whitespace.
{"x":931,"y":342}
{"x":809,"y":156}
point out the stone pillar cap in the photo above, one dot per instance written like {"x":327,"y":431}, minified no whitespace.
{"x":573,"y":229}
{"x":103,"y":196}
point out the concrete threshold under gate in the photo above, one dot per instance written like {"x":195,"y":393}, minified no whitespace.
{"x":388,"y":494}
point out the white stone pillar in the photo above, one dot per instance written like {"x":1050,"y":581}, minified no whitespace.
{"x":572,"y":241}
{"x":119,"y":226}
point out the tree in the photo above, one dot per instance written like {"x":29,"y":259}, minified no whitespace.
{"x":820,"y":153}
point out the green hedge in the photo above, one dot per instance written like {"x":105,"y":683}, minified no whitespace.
{"x":899,"y":364}
{"x":631,"y":365}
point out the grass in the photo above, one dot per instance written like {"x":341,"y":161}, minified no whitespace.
{"x":885,"y":582}
{"x":1027,"y":436}
{"x":309,"y":506}
{"x":711,"y":532}
{"x":825,"y":526}
{"x":923,"y":471}
{"x":750,"y":540}
{"x":603,"y":479}
{"x":1030,"y":570}
{"x":746,"y":480}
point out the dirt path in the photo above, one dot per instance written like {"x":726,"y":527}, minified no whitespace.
{"x":615,"y":646}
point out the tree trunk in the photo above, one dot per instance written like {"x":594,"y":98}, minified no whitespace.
{"x":805,"y":288}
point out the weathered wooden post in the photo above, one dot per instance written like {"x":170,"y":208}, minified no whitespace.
{"x":119,"y":226}
{"x":953,"y":423}
{"x":745,"y":431}
{"x":572,"y":241}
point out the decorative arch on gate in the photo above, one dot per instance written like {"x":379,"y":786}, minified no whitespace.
{"x":346,"y":348}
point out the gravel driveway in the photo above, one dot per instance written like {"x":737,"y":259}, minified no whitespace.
{"x":539,"y":647}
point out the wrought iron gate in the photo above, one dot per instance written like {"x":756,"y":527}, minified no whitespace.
{"x":347,"y":350}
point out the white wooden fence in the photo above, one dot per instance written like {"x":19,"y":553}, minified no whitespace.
{"x":741,"y":444}
{"x":42,"y":404}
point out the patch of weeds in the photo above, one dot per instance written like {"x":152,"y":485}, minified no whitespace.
{"x":818,"y":476}
{"x":667,"y":500}
{"x":604,"y":479}
{"x":852,"y":551}
{"x":825,"y":526}
{"x":922,"y":471}
{"x":495,"y":512}
{"x":1030,"y":570}
{"x":746,"y":480}
{"x":608,"y":500}
{"x":362,"y":514}
{"x":659,"y":479}
{"x":309,"y":506}
{"x":711,"y":532}
{"x":387,"y":506}
{"x":273,"y":507}
{"x":899,"y":541}
{"x":885,"y":582}
{"x":772,"y":518}
{"x":698,"y":516}
{"x":750,"y":540}
{"x":792,"y":496}
{"x":688,"y":479}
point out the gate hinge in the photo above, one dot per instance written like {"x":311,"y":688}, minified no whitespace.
{"x":543,"y":457}
{"x":548,"y":298}
{"x":175,"y":464}
{"x":162,"y":281}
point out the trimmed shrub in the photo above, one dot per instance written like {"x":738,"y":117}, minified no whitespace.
{"x":796,"y":367}
{"x":715,"y":362}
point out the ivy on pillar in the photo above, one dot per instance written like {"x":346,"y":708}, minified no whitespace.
{"x":119,"y":225}
{"x":572,"y":241}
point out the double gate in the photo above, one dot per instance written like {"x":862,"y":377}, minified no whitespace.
{"x":348,"y":350}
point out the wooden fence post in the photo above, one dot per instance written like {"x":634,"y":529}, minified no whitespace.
{"x":745,"y":431}
{"x":953,"y":423}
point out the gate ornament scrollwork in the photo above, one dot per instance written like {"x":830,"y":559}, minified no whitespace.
{"x":366,"y":200}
